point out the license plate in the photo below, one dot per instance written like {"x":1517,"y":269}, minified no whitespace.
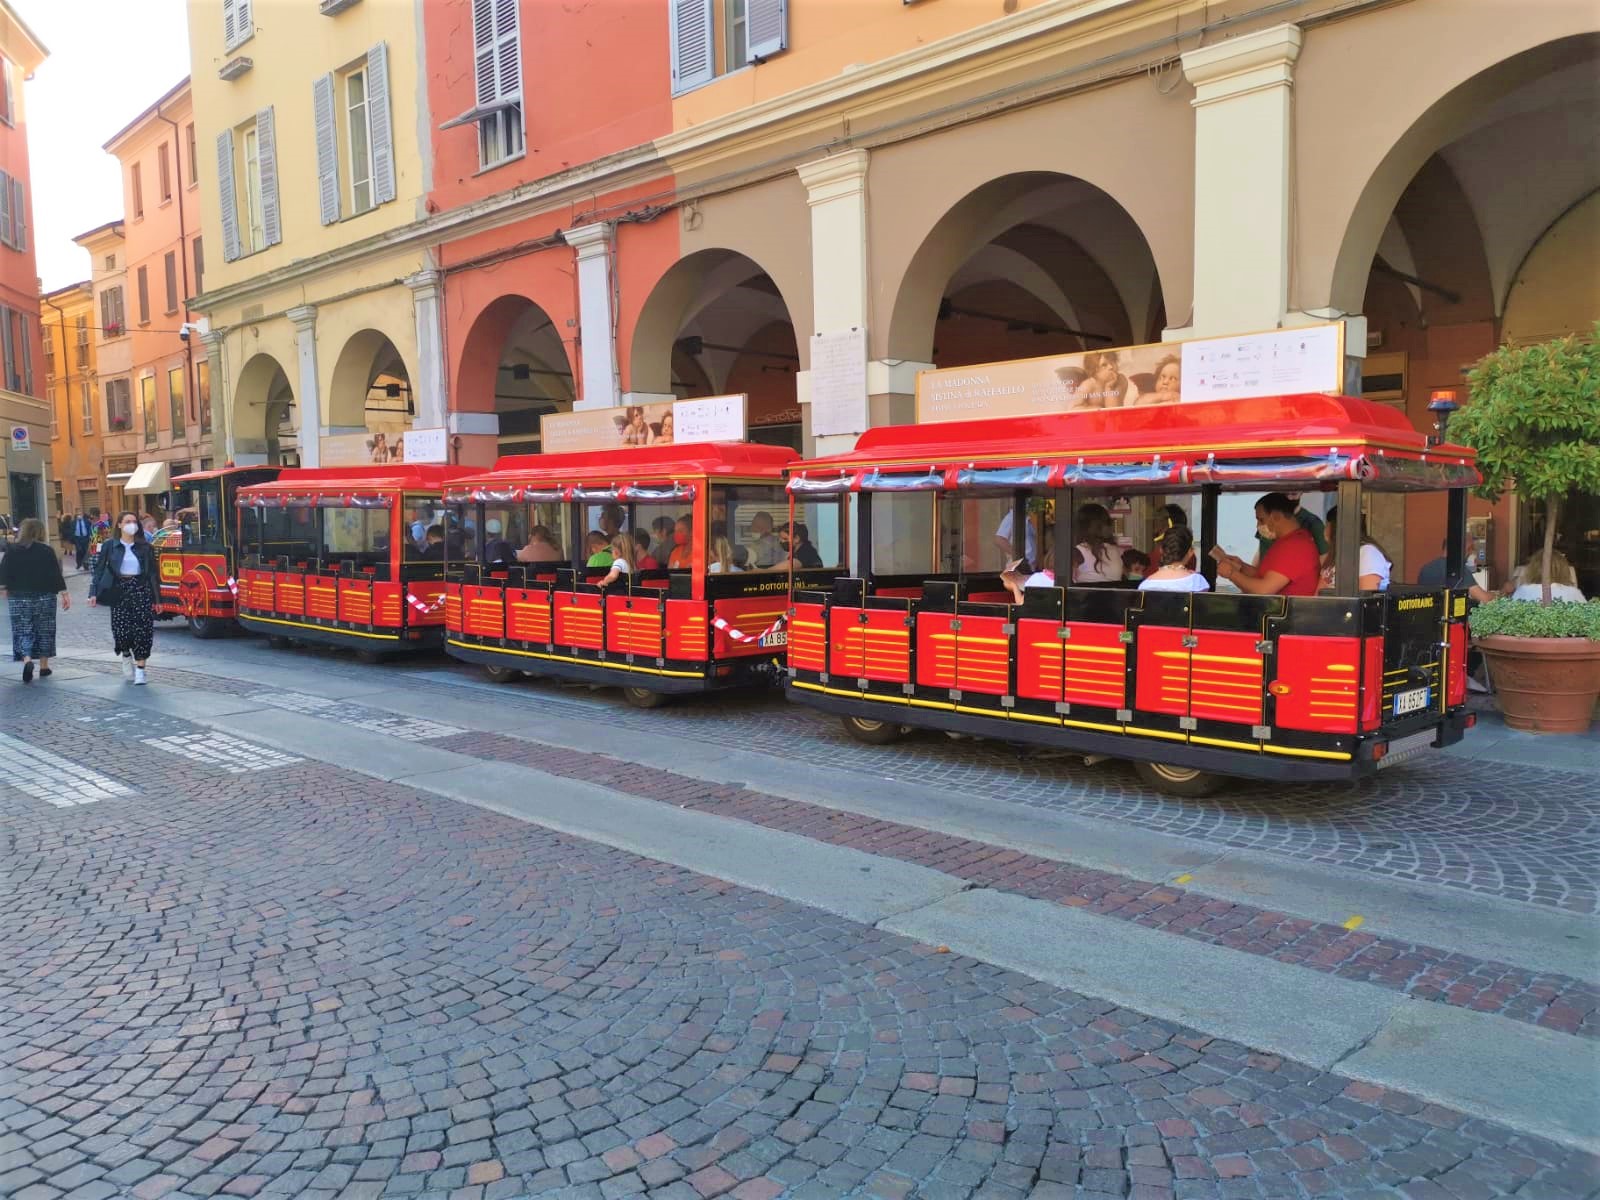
{"x":778,"y":637}
{"x":1412,"y":700}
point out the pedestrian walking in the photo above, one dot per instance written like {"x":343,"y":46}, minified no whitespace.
{"x":125,"y":582}
{"x":64,"y":533}
{"x":82,"y":531}
{"x":30,"y":576}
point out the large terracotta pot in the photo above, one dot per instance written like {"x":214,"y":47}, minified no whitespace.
{"x":1544,"y":685}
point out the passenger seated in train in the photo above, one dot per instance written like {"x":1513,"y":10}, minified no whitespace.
{"x":1016,"y":582}
{"x":765,"y":549}
{"x":796,"y":541}
{"x":1374,"y":567}
{"x":661,"y":539}
{"x":433,"y":544}
{"x":721,"y":557}
{"x":1135,"y":565}
{"x":1099,"y":559}
{"x":1291,"y":565}
{"x":622,"y":555}
{"x":541,"y":547}
{"x":1175,"y":574}
{"x":645,"y":561}
{"x":682,"y":556}
{"x":598,"y":547}
{"x":496,"y":548}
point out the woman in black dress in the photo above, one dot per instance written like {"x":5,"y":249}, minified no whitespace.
{"x":125,"y":578}
{"x":30,"y":576}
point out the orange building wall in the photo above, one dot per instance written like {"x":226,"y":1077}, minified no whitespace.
{"x":19,"y":274}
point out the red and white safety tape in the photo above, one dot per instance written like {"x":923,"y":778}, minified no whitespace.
{"x":739,"y":635}
{"x":233,"y":585}
{"x":425,"y":606}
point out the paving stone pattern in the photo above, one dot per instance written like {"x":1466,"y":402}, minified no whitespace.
{"x":1428,"y":973}
{"x":313,"y":984}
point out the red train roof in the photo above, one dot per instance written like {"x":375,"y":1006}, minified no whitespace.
{"x":735,"y":460}
{"x":220,"y":473}
{"x":421,"y":477}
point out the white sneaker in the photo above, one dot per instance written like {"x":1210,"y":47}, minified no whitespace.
{"x":138,"y":675}
{"x":127,"y":667}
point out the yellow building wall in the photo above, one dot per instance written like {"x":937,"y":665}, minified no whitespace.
{"x":1557,"y":290}
{"x":74,"y":454}
{"x":293,"y":45}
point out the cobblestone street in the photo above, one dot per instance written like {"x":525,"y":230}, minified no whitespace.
{"x":231,"y":969}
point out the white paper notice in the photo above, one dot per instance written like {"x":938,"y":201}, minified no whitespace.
{"x":1281,"y":363}
{"x":839,"y":383}
{"x":425,"y":446}
{"x":709,"y":419}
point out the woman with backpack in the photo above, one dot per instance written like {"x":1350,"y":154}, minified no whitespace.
{"x":125,"y":581}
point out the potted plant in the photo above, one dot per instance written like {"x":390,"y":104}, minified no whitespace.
{"x":1534,"y":419}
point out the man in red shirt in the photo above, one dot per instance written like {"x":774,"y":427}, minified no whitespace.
{"x":1291,"y":565}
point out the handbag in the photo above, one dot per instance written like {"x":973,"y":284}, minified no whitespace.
{"x":107,"y":588}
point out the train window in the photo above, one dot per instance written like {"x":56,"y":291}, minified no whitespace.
{"x":821,"y":526}
{"x":358,"y":534}
{"x":902,"y":533}
{"x":659,"y":521}
{"x":746,"y":516}
{"x":976,"y":537}
{"x":280,"y":533}
{"x":505,"y":531}
{"x":418,"y":514}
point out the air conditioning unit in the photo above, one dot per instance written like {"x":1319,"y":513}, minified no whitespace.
{"x":235,"y":67}
{"x":332,"y":8}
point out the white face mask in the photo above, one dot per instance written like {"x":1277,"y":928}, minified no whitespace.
{"x":130,"y":528}
{"x":1265,"y":531}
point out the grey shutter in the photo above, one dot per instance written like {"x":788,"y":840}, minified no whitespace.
{"x":25,"y":339}
{"x":483,"y":50}
{"x":8,"y":348}
{"x":693,"y":47}
{"x":380,"y":124}
{"x":230,"y":24}
{"x":11,"y":93}
{"x":767,"y":23}
{"x":19,"y":214}
{"x":225,"y":193}
{"x":267,"y":154}
{"x":507,"y":50}
{"x":327,"y":137}
{"x":5,"y":209}
{"x":245,"y":18}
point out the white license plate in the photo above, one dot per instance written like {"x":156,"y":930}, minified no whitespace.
{"x":778,"y":637}
{"x":1412,"y":700}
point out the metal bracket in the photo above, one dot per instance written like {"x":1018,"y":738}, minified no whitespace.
{"x":955,"y":626}
{"x":1064,"y":633}
{"x":794,"y":672}
{"x":863,"y":683}
{"x":1264,"y":647}
{"x":1261,"y":733}
{"x":908,"y":689}
{"x":1188,"y":723}
{"x":1126,"y":637}
{"x":1124,"y":715}
{"x":1063,"y":707}
{"x":955,"y":693}
{"x":1189,"y":641}
{"x":1009,"y":628}
{"x":822,"y":677}
{"x":1008,"y":701}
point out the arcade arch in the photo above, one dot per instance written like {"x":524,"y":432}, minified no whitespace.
{"x":515,"y":364}
{"x":370,"y":389}
{"x":263,"y":414}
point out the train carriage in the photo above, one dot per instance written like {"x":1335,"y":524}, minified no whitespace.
{"x":198,"y":569}
{"x":522,"y":596}
{"x":1192,"y":686}
{"x":342,"y":556}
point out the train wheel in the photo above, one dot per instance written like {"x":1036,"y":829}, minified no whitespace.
{"x":280,"y":643}
{"x":207,"y":628}
{"x":643,"y":697}
{"x":502,"y":674}
{"x":874,"y":733}
{"x":1179,"y":781}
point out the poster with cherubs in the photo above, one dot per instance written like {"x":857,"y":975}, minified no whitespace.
{"x":1279,"y":362}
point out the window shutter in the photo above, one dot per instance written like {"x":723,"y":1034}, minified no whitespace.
{"x":380,"y":123}
{"x":171,"y":265}
{"x":507,"y":50}
{"x":483,"y":50}
{"x":144,"y":296}
{"x":8,"y":348}
{"x":692,"y":45}
{"x":327,"y":148}
{"x":767,"y":22}
{"x":19,"y":214}
{"x":267,"y":150}
{"x":230,"y":202}
{"x":246,"y":26}
{"x":11,"y":93}
{"x":121,"y":309}
{"x":25,"y":338}
{"x":5,"y":209}
{"x":230,"y":24}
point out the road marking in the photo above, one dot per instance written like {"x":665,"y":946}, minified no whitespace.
{"x":1355,"y":921}
{"x":397,"y":726}
{"x":1184,"y":878}
{"x":233,"y":755}
{"x":52,"y":778}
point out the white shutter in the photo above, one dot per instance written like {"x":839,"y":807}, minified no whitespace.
{"x":11,"y":93}
{"x":767,"y":24}
{"x":380,"y":124}
{"x":230,"y":24}
{"x":693,"y":47}
{"x":19,"y":214}
{"x":327,"y":138}
{"x":267,"y":153}
{"x":228,"y":199}
{"x":507,"y":50}
{"x":483,"y":50}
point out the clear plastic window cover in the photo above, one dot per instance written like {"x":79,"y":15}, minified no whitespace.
{"x":529,"y":495}
{"x":312,"y":500}
{"x":1368,"y":468}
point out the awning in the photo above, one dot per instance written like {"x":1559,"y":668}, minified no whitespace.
{"x":148,"y":479}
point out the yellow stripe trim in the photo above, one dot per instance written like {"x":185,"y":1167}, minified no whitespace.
{"x":1297,"y":752}
{"x":581,"y":661}
{"x":380,"y":637}
{"x":1206,"y":741}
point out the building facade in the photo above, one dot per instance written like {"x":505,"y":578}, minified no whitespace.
{"x":26,"y":488}
{"x":163,"y":267}
{"x":966,"y":184}
{"x":319,"y":293}
{"x":106,"y":246}
{"x":68,"y":324}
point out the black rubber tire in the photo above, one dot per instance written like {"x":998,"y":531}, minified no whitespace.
{"x":278,"y":642}
{"x":643,"y":697}
{"x":1179,"y":781}
{"x":874,"y":733}
{"x":502,"y":674}
{"x":206,"y":628}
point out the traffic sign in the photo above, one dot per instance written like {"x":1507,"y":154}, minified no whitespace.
{"x":19,"y":438}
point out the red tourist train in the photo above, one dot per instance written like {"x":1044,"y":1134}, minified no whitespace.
{"x":345,"y":556}
{"x":199,"y":566}
{"x":1190,"y":685}
{"x":531,"y":586}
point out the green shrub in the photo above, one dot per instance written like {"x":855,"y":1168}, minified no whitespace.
{"x":1528,"y":618}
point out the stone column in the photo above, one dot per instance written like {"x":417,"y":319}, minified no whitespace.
{"x":307,"y":399}
{"x":596,"y":329}
{"x":222,"y":446}
{"x":836,"y":190}
{"x":431,"y":385}
{"x":1243,"y":163}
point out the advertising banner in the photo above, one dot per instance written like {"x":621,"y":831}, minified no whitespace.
{"x":708,"y":419}
{"x":425,"y":446}
{"x":1279,"y":362}
{"x":385,"y":444}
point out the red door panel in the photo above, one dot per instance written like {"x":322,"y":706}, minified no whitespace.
{"x":355,"y":601}
{"x":1455,"y":667}
{"x":1316,"y":683}
{"x":808,"y":638}
{"x":1162,"y":672}
{"x":580,"y":620}
{"x":389,"y":607}
{"x":484,"y":612}
{"x":322,"y":596}
{"x":292,"y":595}
{"x":528,"y":616}
{"x":847,"y":642}
{"x":687,"y":626}
{"x":633,"y":626}
{"x":1226,"y":677}
{"x":888,"y":646}
{"x":1095,"y":665}
{"x":983,"y":655}
{"x":936,"y":650}
{"x":750,"y":615}
{"x":1039,"y":660}
{"x":454,"y":609}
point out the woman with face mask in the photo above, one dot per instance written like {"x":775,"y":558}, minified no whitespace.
{"x":682,"y":556}
{"x":125,"y":581}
